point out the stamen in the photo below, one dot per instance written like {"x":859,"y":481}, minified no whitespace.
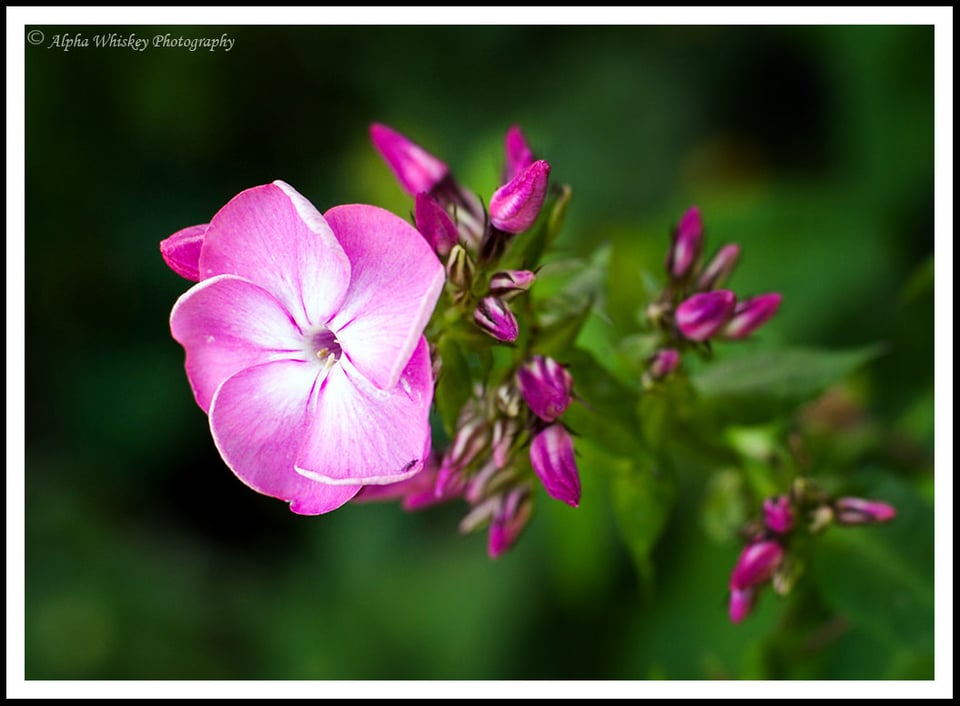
{"x":322,"y":353}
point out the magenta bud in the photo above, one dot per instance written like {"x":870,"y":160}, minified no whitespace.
{"x":515,"y":205}
{"x":719,"y":268}
{"x":510,"y":517}
{"x":416,"y":169}
{"x":857,"y":511}
{"x":181,"y":251}
{"x":751,"y":314}
{"x":777,"y":514}
{"x":741,"y":603}
{"x":494,"y":316}
{"x":470,"y":439}
{"x":687,"y":243}
{"x":703,"y":315}
{"x":663,"y":362}
{"x":504,"y":432}
{"x":509,"y":283}
{"x":435,"y":224}
{"x":546,"y":386}
{"x":551,"y":455}
{"x":756,"y":564}
{"x":518,"y":153}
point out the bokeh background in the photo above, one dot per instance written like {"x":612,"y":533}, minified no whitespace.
{"x":146,"y":559}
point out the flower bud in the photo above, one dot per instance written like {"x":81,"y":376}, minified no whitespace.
{"x":495,"y":317}
{"x":756,"y":564}
{"x":551,"y":455}
{"x":719,"y":269}
{"x":518,"y":153}
{"x":741,"y":603}
{"x":703,"y":315}
{"x":460,"y":269}
{"x":777,"y":514}
{"x":416,"y":169}
{"x":181,"y":251}
{"x":663,"y":362}
{"x":435,"y":224}
{"x":750,"y":314}
{"x":510,"y":517}
{"x":546,"y":386}
{"x":504,"y":432}
{"x":515,"y":205}
{"x":857,"y":511}
{"x":507,"y":284}
{"x":472,"y":437}
{"x":686,"y":245}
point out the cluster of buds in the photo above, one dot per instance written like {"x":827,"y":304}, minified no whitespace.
{"x":692,"y":308}
{"x":766,"y":558}
{"x":468,"y":237}
{"x":508,"y":436}
{"x":485,"y":463}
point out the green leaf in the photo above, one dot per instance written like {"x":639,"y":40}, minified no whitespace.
{"x":880,"y":577}
{"x":604,"y":411}
{"x":642,"y":500}
{"x":758,"y":385}
{"x":453,"y":385}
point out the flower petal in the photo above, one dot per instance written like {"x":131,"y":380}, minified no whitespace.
{"x":181,"y":251}
{"x":226,"y":324}
{"x":258,"y":418}
{"x":360,"y":434}
{"x":395,"y":281}
{"x":274,"y":237}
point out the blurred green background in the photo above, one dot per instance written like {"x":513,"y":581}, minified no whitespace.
{"x":146,"y":559}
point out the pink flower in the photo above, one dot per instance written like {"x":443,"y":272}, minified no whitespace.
{"x":519,"y":156}
{"x":719,"y":268}
{"x":741,"y":603}
{"x":663,"y":362}
{"x":777,"y":514}
{"x":494,"y":316}
{"x":304,"y":345}
{"x":756,"y":564}
{"x":416,"y":169}
{"x":703,"y":315}
{"x":751,"y":314}
{"x":515,"y":205}
{"x":181,"y":251}
{"x":687,"y":243}
{"x":546,"y":386}
{"x":551,"y":455}
{"x":857,"y":511}
{"x":510,"y":516}
{"x":415,"y":493}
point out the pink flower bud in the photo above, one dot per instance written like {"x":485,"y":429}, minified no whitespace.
{"x":741,"y":603}
{"x":416,"y":169}
{"x":857,"y":511}
{"x":435,"y":224}
{"x":551,"y":455}
{"x":756,"y":564}
{"x":504,"y":432}
{"x":703,"y":315}
{"x":546,"y":386}
{"x":510,"y":517}
{"x":472,"y":437}
{"x":518,"y":153}
{"x":719,"y":268}
{"x":687,"y":243}
{"x":750,"y":314}
{"x":181,"y":251}
{"x":460,"y":268}
{"x":515,"y":205}
{"x":506,"y":284}
{"x":778,"y":514}
{"x":495,"y":317}
{"x":663,"y":362}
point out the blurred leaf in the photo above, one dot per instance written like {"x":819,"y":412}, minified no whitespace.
{"x":605,"y":411}
{"x":642,"y":499}
{"x":453,"y":384}
{"x":881,"y":576}
{"x":758,"y":385}
{"x":724,"y":509}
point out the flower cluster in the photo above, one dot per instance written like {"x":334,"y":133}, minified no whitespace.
{"x":692,"y":310}
{"x":466,"y":236}
{"x":507,"y":434}
{"x":766,"y":558}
